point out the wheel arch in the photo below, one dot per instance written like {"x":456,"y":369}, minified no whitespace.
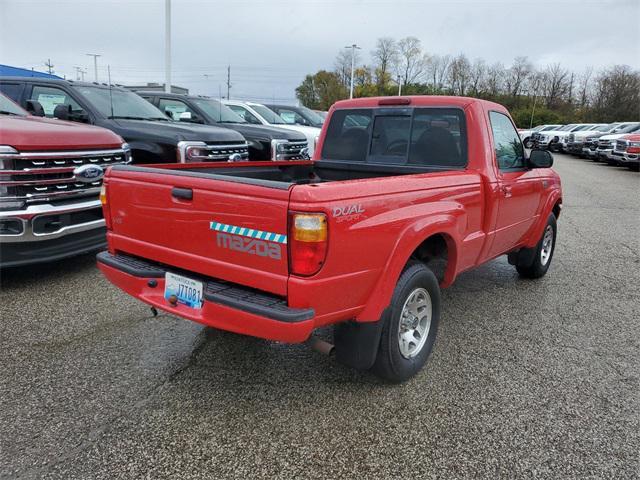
{"x":435,"y":244}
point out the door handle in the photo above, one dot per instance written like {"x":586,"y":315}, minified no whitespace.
{"x":506,"y":191}
{"x":183,"y":193}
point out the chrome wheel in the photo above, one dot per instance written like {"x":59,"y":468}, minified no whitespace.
{"x":547,"y":245}
{"x":415,"y":322}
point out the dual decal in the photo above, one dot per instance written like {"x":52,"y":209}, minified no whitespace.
{"x":248,"y":240}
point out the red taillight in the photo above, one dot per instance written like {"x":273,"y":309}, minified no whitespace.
{"x":106,"y":211}
{"x":307,"y":242}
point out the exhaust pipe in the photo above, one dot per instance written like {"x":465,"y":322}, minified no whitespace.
{"x":321,"y":346}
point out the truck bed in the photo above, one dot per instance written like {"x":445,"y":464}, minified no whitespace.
{"x":282,"y":175}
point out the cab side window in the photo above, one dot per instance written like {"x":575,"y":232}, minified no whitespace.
{"x":507,"y":143}
{"x":245,"y":114}
{"x":173,"y":108}
{"x":49,"y":97}
{"x":291,"y":117}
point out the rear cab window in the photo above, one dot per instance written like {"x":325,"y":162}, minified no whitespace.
{"x":430,"y":138}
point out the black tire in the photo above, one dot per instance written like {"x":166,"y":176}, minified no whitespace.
{"x":390,"y":362}
{"x":538,"y":268}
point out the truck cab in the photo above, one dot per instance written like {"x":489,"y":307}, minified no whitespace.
{"x":153,"y":137}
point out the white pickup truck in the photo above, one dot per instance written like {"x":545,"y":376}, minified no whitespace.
{"x":526,"y":135}
{"x":258,"y":114}
{"x":606,"y":143}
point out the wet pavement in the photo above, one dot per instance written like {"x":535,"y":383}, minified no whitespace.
{"x":527,"y":378}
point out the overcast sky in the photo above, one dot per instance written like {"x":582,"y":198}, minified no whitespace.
{"x":272,"y":45}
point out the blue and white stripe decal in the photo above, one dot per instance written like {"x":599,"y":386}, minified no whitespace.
{"x":248,"y":232}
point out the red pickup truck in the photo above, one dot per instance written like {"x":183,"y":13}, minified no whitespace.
{"x":50,"y":177}
{"x":402,"y":195}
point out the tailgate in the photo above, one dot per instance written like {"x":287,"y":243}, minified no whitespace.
{"x":227,"y":230}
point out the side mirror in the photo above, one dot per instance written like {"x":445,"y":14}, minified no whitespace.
{"x":540,"y":159}
{"x":62,"y":111}
{"x":35,"y":108}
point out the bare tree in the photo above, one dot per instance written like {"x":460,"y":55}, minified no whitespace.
{"x":478,"y":72}
{"x":556,"y":84}
{"x":436,"y":68}
{"x":584,"y":87}
{"x":410,"y":60}
{"x":618,"y":94}
{"x":385,"y":57}
{"x":516,"y":77}
{"x":343,"y":65}
{"x":460,"y":74}
{"x":494,"y":79}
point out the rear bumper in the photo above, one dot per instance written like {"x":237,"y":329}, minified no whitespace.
{"x":226,"y":306}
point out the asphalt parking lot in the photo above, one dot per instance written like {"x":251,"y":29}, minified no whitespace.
{"x":527,"y":378}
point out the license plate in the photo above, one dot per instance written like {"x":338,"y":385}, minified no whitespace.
{"x":187,"y":291}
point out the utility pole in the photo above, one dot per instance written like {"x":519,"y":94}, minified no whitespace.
{"x":167,"y":46}
{"x":353,"y":64}
{"x":95,"y":65}
{"x":80,"y":73}
{"x":228,"y":80}
{"x":399,"y":85}
{"x":49,"y":65}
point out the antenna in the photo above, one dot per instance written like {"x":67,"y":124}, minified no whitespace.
{"x":220,"y":100}
{"x":110,"y":89}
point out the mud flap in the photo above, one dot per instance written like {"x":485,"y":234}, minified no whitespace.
{"x":523,"y":257}
{"x":357,"y":343}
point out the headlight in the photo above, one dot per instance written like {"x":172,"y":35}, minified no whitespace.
{"x":196,"y":151}
{"x":6,"y":152}
{"x":278,"y":149}
{"x":634,"y":144}
{"x":128,"y":158}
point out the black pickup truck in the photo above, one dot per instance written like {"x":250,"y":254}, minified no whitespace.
{"x":265,"y":142}
{"x":153,"y":137}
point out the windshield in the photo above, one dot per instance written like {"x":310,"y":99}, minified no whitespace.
{"x":269,"y":115}
{"x":7,"y":107}
{"x":125,"y":104}
{"x":217,"y":111}
{"x":580,"y":128}
{"x":629,"y":128}
{"x":550,"y":127}
{"x":312,"y":117}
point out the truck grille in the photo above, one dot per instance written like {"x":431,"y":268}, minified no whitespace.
{"x":33,"y":177}
{"x":571,"y":138}
{"x":604,"y":144}
{"x":294,"y":151}
{"x":621,"y":145}
{"x":227,"y":151}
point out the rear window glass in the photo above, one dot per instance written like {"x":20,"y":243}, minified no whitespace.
{"x":347,"y":136}
{"x":421,"y":137}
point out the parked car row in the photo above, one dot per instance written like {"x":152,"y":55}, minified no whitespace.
{"x":53,"y":154}
{"x":613,"y":143}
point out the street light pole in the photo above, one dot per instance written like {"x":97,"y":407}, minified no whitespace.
{"x":353,"y":60}
{"x":167,"y":46}
{"x":95,"y":65}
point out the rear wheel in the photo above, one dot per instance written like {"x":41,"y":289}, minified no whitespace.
{"x":543,"y":252}
{"x":410,"y":325}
